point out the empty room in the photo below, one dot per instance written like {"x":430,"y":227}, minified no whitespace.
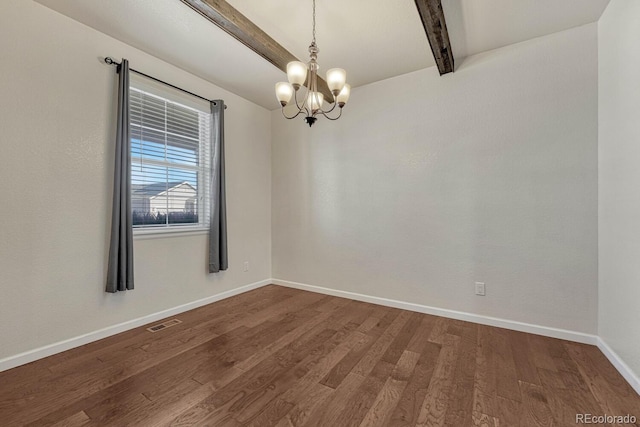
{"x":320,"y":213}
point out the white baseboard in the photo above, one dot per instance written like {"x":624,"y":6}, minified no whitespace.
{"x":452,"y":314}
{"x":564,"y":334}
{"x":58,"y":347}
{"x":48,"y":350}
{"x":619,"y":364}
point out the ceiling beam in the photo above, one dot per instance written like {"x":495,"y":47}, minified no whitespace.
{"x":432,"y":17}
{"x":246,"y":32}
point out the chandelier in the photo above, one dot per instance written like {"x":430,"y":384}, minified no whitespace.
{"x":311,"y":104}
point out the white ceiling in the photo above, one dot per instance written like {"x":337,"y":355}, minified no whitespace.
{"x":372,"y":40}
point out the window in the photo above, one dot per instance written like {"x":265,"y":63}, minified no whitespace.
{"x":170,"y":159}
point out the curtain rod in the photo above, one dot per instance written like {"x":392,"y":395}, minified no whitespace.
{"x":111,"y":61}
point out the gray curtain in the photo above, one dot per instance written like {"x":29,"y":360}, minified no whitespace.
{"x":218,"y":259}
{"x":120,"y":270}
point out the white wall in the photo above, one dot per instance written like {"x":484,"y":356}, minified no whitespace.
{"x":619,"y":179}
{"x":428,"y":184}
{"x":56,"y":121}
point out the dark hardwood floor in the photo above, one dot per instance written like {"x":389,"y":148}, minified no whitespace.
{"x":284,"y":357}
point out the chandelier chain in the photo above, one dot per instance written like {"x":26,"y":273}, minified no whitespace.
{"x":314,"y":21}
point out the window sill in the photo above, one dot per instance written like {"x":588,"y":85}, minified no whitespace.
{"x":161,"y":233}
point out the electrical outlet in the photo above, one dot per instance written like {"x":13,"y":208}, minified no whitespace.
{"x":246,"y":266}
{"x":480,"y":289}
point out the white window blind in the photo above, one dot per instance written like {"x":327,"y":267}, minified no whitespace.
{"x":170,"y":161}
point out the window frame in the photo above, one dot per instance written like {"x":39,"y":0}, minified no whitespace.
{"x":205,"y":145}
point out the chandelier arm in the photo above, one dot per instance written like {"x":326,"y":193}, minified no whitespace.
{"x":292,"y":117}
{"x":332,"y":108}
{"x":331,"y":118}
{"x":295,"y":97}
{"x":300,"y":109}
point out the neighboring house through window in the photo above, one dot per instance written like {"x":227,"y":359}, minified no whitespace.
{"x":170,"y":158}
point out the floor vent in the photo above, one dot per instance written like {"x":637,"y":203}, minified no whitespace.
{"x":164,"y":325}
